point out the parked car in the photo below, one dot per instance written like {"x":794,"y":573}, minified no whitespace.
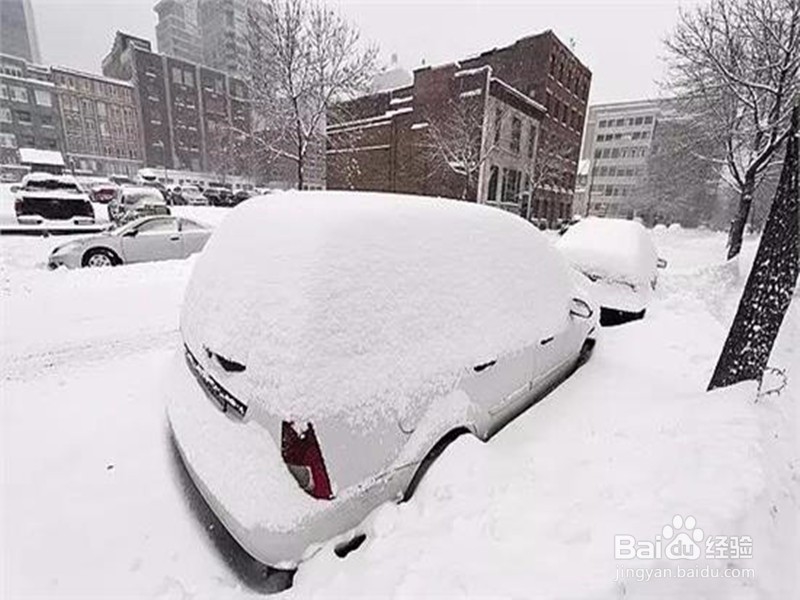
{"x":104,"y":192}
{"x":242,"y":195}
{"x":335,"y":341}
{"x":135,"y":202}
{"x":620,"y":260}
{"x":46,"y":197}
{"x":192,"y":196}
{"x":145,"y":239}
{"x":218,"y":195}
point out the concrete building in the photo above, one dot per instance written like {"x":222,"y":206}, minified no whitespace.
{"x":29,"y":112}
{"x":178,"y":30}
{"x":537,"y":71}
{"x":618,"y":141}
{"x":392,"y":141}
{"x":188,"y":113}
{"x":101,"y":125}
{"x":18,"y":30}
{"x":223,"y":30}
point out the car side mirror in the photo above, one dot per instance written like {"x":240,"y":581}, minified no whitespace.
{"x":661,"y":263}
{"x":581,"y":309}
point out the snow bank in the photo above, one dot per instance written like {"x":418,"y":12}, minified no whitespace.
{"x":340,"y":300}
{"x":610,"y":248}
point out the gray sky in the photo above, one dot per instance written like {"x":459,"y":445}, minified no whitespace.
{"x":620,"y":40}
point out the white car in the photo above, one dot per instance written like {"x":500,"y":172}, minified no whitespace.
{"x":334,"y":340}
{"x":620,"y":260}
{"x":145,"y":239}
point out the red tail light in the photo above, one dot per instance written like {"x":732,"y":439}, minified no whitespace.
{"x":301,"y":453}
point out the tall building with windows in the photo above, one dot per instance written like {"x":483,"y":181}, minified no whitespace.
{"x":29,"y":112}
{"x":618,"y":141}
{"x":178,"y":30}
{"x":101,"y":125}
{"x":18,"y":30}
{"x":187,"y":112}
{"x":224,"y":26}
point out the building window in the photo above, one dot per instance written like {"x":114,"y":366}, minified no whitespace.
{"x":491,"y":194}
{"x":8,"y":140}
{"x":498,"y":123}
{"x":101,"y":109}
{"x":516,"y":134}
{"x":602,"y":124}
{"x":24,"y":117}
{"x":188,"y":78}
{"x":5,"y":115}
{"x":638,"y":121}
{"x":43,"y":98}
{"x":598,"y":153}
{"x":531,"y":139}
{"x":18,"y":94}
{"x":47,"y":121}
{"x":648,"y":120}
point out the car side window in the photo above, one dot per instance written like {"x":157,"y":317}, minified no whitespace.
{"x":187,"y":225}
{"x":159,"y":226}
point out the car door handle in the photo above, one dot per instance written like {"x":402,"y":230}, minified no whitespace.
{"x":175,"y":238}
{"x":547,"y":340}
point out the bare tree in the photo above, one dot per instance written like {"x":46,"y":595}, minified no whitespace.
{"x":771,"y":283}
{"x":550,"y":166}
{"x":678,"y":186}
{"x":304,"y":57}
{"x":734,"y":64}
{"x":454,"y":140}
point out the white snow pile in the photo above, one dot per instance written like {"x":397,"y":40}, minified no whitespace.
{"x":341,"y":300}
{"x":611,"y":248}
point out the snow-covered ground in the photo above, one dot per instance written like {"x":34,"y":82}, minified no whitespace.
{"x":95,"y":503}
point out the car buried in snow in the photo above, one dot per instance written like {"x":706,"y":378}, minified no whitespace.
{"x":142,"y":240}
{"x":334,"y":342}
{"x":44,"y":197}
{"x":619,"y":259}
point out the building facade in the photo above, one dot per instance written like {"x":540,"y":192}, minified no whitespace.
{"x":618,"y":142}
{"x":547,"y":71}
{"x":537,"y":76}
{"x":29,"y":112}
{"x":456,"y":133}
{"x":178,"y":30}
{"x":224,"y":32}
{"x":18,"y":30}
{"x":100,"y":121}
{"x":192,"y":118}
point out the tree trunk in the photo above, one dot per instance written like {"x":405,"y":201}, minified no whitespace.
{"x":738,"y":223}
{"x":300,"y":173}
{"x":770,"y":286}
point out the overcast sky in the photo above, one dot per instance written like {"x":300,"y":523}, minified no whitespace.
{"x":619,"y":41}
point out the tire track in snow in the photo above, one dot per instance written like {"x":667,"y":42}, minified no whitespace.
{"x":26,"y":366}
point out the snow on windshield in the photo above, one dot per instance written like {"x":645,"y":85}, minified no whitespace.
{"x":338,"y":300}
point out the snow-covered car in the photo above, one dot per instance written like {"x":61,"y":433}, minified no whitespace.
{"x":104,"y":192}
{"x":620,"y":260}
{"x":45,"y":197}
{"x":335,"y":341}
{"x":145,"y":239}
{"x":135,"y":202}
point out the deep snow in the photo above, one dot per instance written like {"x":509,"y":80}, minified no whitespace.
{"x":94,"y":503}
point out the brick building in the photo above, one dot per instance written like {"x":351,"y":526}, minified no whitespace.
{"x":458,"y":133}
{"x":100,"y":120}
{"x":29,"y":112}
{"x":537,"y":71}
{"x":188,"y":113}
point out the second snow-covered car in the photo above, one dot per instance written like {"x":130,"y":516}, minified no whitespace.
{"x":334,"y":340}
{"x":44,"y":197}
{"x":145,"y":239}
{"x":620,"y":260}
{"x":135,"y":202}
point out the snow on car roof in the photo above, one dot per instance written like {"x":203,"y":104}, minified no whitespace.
{"x":615,"y":248}
{"x":342,"y":301}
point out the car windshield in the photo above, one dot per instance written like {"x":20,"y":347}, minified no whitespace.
{"x":51,"y":184}
{"x":144,"y":196}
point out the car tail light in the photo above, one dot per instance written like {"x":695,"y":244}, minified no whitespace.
{"x":301,"y":453}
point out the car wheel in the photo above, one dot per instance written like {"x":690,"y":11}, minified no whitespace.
{"x":100,"y":258}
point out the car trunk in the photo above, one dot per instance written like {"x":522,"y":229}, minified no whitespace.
{"x":53,"y":207}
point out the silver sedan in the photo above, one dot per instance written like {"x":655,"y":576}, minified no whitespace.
{"x":163,"y":237}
